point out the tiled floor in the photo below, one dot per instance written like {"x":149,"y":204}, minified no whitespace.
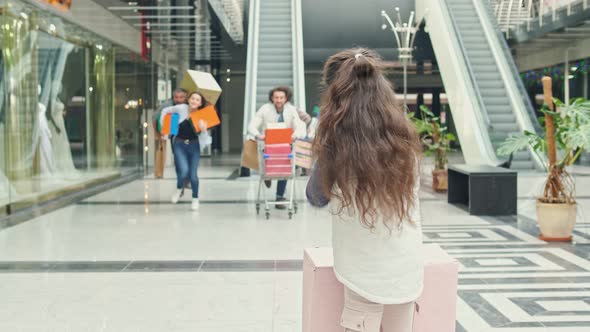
{"x":128,"y":260}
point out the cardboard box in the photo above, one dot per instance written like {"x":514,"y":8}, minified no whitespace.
{"x":279,"y":136}
{"x":323,"y":294}
{"x":201,"y":82}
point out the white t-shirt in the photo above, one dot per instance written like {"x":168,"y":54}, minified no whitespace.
{"x":380,"y":265}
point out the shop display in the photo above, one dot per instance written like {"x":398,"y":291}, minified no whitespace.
{"x":42,"y":140}
{"x":62,"y":153}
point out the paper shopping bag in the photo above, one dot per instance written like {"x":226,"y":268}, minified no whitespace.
{"x":160,"y":160}
{"x":303,"y":154}
{"x":250,"y":155}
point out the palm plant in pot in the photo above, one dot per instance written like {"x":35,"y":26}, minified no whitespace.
{"x":437,"y":141}
{"x":567,"y":134}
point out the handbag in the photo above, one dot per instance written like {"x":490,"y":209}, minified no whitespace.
{"x":303,"y":154}
{"x":250,"y":155}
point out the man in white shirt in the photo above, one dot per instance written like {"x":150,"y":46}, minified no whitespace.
{"x":279,"y":110}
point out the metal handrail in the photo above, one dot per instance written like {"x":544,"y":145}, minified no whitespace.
{"x":298,"y":60}
{"x":484,"y":113}
{"x":541,"y":12}
{"x":530,"y":11}
{"x":509,"y":15}
{"x":229,"y":13}
{"x":251,"y":64}
{"x":535,"y":9}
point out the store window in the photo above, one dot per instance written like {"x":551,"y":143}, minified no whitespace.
{"x":58,"y":100}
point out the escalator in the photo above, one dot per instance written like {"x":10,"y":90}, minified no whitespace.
{"x":275,"y":56}
{"x":486,"y":95}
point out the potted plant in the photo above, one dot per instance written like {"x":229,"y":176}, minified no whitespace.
{"x":567,"y":134}
{"x":437,"y":141}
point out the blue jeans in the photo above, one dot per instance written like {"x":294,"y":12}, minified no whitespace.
{"x":281,"y":188}
{"x":186,"y":157}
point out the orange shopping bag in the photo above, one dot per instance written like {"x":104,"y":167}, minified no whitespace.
{"x":279,"y":136}
{"x":207,"y":114}
{"x":170,"y":125}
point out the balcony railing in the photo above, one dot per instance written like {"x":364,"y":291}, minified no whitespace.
{"x":514,"y":14}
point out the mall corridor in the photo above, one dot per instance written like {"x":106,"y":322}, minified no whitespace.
{"x":129,"y":260}
{"x":109,"y":107}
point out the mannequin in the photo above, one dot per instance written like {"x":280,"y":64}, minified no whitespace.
{"x":62,"y":154}
{"x":42,"y":139}
{"x":46,"y":150}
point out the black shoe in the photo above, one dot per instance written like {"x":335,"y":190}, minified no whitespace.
{"x":268,"y":183}
{"x":244,"y":172}
{"x":281,"y":207}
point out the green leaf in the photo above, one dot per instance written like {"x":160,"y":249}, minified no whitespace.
{"x":424,"y":109}
{"x":557,"y":102}
{"x":514,"y":143}
{"x":548,"y":111}
{"x":577,"y":137}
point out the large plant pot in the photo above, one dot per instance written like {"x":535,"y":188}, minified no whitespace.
{"x":556,"y":221}
{"x":440,"y":180}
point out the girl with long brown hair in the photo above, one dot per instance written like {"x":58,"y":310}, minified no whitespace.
{"x":367,"y":170}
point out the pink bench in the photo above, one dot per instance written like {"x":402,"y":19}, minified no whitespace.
{"x":323,"y":295}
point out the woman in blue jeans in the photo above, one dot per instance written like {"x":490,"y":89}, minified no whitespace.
{"x":187,"y":151}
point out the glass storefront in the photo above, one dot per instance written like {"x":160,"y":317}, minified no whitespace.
{"x":68,"y":120}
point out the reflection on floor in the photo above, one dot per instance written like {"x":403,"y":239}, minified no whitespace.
{"x":128,"y":260}
{"x":40,"y":188}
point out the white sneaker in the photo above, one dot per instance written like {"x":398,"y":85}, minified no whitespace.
{"x":176,"y":196}
{"x":195,"y":204}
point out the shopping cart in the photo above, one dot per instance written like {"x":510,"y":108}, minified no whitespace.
{"x":276,"y":162}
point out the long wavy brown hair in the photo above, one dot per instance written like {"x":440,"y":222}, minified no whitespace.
{"x":367,"y":150}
